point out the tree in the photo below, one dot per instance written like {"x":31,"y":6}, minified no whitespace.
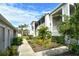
{"x":44,"y":36}
{"x":25,"y":32}
{"x":23,"y":29}
{"x":70,"y":26}
{"x":43,"y":32}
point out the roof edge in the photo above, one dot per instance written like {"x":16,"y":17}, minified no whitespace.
{"x":7,"y":22}
{"x":57,"y":7}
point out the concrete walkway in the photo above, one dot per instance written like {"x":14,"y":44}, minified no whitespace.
{"x":25,"y":49}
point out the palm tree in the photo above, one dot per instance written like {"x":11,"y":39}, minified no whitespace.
{"x":23,"y":28}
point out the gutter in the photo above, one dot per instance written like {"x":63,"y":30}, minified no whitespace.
{"x":57,"y":8}
{"x":6,"y":22}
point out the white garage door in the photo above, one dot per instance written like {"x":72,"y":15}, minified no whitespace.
{"x":1,"y":38}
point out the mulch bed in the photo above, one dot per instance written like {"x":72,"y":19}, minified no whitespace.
{"x":38,"y":48}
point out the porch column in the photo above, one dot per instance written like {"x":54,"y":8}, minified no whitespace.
{"x":33,"y":29}
{"x":5,"y":39}
{"x":65,"y":11}
{"x":51,"y":24}
{"x":47,"y":21}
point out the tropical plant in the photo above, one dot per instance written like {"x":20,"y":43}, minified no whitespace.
{"x":23,"y":29}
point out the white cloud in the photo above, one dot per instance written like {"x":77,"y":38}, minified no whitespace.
{"x":48,"y":10}
{"x":17,"y":15}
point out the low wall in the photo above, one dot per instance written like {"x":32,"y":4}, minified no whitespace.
{"x":52,"y":52}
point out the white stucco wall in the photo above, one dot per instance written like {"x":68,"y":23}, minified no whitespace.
{"x":47,"y":21}
{"x":1,"y":37}
{"x":7,"y":39}
{"x":33,"y":30}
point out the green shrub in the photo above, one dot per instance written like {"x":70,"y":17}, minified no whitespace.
{"x":12,"y":51}
{"x":38,"y":41}
{"x":74,"y":48}
{"x":17,"y":41}
{"x":30,"y":37}
{"x":47,"y":43}
{"x":4,"y":53}
{"x":58,"y":39}
{"x":27,"y":37}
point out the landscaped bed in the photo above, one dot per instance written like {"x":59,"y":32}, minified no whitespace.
{"x":38,"y":47}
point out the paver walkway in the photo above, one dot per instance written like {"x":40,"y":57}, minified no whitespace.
{"x":25,"y":49}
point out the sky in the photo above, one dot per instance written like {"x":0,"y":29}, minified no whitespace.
{"x":25,"y":13}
